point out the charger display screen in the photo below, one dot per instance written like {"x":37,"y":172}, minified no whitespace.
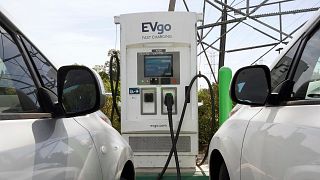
{"x":158,"y":66}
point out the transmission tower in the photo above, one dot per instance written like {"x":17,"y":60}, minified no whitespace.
{"x":231,"y":14}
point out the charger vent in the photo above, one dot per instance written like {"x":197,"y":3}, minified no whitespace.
{"x":159,"y":144}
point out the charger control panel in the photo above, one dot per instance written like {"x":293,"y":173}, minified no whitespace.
{"x":158,"y":68}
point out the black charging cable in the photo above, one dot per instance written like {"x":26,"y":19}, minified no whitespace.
{"x":114,"y":89}
{"x":187,"y":99}
{"x":168,"y":101}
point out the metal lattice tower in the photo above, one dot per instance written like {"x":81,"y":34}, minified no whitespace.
{"x":232,"y":16}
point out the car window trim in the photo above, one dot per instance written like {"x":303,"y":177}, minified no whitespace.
{"x":302,"y":102}
{"x":294,"y":65}
{"x":31,"y":60}
{"x":21,"y":49}
{"x":296,"y":58}
{"x":24,"y":38}
{"x":18,"y":42}
{"x":305,"y":37}
{"x":23,"y":42}
{"x":27,"y":60}
{"x":24,"y":116}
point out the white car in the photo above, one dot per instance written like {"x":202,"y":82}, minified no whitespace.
{"x":274,"y":134}
{"x":50,"y":126}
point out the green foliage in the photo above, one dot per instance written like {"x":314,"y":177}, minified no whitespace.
{"x":108,"y":105}
{"x":106,"y":80}
{"x":113,"y":52}
{"x":107,"y":110}
{"x":206,"y":129}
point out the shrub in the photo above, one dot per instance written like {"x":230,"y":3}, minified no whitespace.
{"x":207,"y":127}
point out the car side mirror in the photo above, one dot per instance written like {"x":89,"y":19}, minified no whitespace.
{"x":80,"y":90}
{"x":251,"y":85}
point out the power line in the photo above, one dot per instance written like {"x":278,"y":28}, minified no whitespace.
{"x":294,"y":31}
{"x":205,"y":53}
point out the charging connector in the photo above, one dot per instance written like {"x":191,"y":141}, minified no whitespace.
{"x":168,"y":101}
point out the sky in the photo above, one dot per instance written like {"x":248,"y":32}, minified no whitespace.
{"x":82,"y":31}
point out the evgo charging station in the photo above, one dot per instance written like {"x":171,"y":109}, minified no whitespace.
{"x":158,"y":60}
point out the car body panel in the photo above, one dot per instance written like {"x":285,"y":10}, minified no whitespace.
{"x":228,"y":139}
{"x":112,"y":150}
{"x":281,"y":142}
{"x":47,"y":149}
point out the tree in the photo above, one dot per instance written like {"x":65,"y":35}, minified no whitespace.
{"x":107,"y":109}
{"x":111,"y":54}
{"x":206,"y":128}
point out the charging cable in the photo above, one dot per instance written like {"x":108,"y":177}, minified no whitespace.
{"x":114,"y":89}
{"x":168,"y":101}
{"x":187,"y":99}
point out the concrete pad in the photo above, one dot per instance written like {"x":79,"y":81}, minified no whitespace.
{"x":187,"y":174}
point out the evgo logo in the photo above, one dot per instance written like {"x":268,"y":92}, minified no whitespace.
{"x":155,"y":27}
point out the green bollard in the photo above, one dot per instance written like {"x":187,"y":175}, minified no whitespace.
{"x":225,"y":103}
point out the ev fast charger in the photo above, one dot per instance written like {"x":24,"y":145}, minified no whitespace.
{"x":158,"y":56}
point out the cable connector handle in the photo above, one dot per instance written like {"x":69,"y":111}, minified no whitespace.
{"x":168,"y":101}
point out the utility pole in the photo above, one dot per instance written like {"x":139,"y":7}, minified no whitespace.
{"x":172,"y":5}
{"x":223,"y":35}
{"x":280,"y":22}
{"x":248,"y":7}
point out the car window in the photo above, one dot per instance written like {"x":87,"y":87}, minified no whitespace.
{"x":46,"y":70}
{"x":280,"y":71}
{"x":307,"y":76}
{"x":17,"y":88}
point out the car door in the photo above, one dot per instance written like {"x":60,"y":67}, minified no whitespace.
{"x":282,"y":142}
{"x":33,"y":145}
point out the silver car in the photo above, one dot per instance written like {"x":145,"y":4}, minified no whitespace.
{"x":49,"y":124}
